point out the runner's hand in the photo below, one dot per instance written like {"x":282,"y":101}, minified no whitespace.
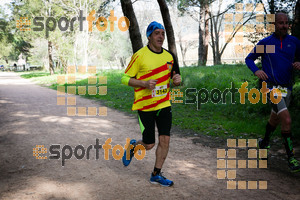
{"x":151,"y":84}
{"x":296,"y":65}
{"x":176,"y":79}
{"x":261,"y":75}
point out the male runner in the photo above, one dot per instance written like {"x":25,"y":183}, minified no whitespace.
{"x":149,"y":72}
{"x":277,"y":71}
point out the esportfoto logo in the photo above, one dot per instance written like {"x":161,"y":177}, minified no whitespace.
{"x":63,"y":23}
{"x":203,"y":96}
{"x":65,"y":152}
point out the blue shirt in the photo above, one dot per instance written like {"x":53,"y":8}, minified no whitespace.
{"x":278,"y":65}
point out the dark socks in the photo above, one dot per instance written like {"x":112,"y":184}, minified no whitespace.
{"x":132,"y":150}
{"x":269,"y":131}
{"x":156,"y":171}
{"x":287,"y":140}
{"x":134,"y":145}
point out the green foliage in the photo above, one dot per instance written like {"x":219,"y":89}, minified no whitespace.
{"x":20,"y":46}
{"x":280,"y":5}
{"x":6,"y":37}
{"x":220,"y":120}
{"x":34,"y":74}
{"x":13,"y":43}
{"x":117,"y":45}
{"x":69,"y":47}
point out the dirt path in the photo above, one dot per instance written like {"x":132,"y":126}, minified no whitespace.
{"x":29,"y":116}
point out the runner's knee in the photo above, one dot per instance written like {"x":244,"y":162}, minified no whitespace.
{"x":286,"y":124}
{"x":164,"y":141}
{"x":287,"y":121}
{"x":274,"y":122}
{"x":274,"y":119}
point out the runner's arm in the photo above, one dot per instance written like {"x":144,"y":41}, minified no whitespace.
{"x":250,"y":60}
{"x":150,"y":84}
{"x":252,"y":66}
{"x":133,"y":82}
{"x":175,"y":72}
{"x":175,"y":65}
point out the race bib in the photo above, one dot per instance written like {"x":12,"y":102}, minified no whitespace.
{"x":283,"y":91}
{"x":160,"y":91}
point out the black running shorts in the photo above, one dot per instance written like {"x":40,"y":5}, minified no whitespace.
{"x":147,"y":120}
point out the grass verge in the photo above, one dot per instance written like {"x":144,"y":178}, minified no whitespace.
{"x":219,"y":120}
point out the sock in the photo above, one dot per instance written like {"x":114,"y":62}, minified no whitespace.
{"x":132,"y":150}
{"x":269,"y":131}
{"x":156,"y":171}
{"x":287,"y":139}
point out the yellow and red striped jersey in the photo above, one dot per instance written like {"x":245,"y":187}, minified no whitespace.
{"x":145,"y":65}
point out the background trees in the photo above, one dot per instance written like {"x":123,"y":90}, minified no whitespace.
{"x":57,"y":49}
{"x":296,"y":21}
{"x":201,"y":10}
{"x":134,"y":30}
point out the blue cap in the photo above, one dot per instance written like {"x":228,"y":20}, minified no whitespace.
{"x":152,"y":27}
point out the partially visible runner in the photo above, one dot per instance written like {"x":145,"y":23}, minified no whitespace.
{"x":150,"y":72}
{"x":277,"y":72}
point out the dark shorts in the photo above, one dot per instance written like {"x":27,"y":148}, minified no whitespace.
{"x":147,"y":120}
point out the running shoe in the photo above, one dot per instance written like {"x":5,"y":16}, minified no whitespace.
{"x":260,"y":145}
{"x":294,"y":164}
{"x":125,"y":161}
{"x":160,"y":179}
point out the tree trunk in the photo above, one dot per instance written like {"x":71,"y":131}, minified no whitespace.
{"x":182,"y":47}
{"x":213,"y":46}
{"x":296,"y":22}
{"x":218,"y":59}
{"x":201,"y":42}
{"x":206,"y":33}
{"x":203,"y":34}
{"x":215,"y":40}
{"x":214,"y":34}
{"x":86,"y":42}
{"x":272,"y":6}
{"x":168,"y":25}
{"x":122,"y":62}
{"x":134,"y":31}
{"x":217,"y":44}
{"x":51,"y":67}
{"x":64,"y":64}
